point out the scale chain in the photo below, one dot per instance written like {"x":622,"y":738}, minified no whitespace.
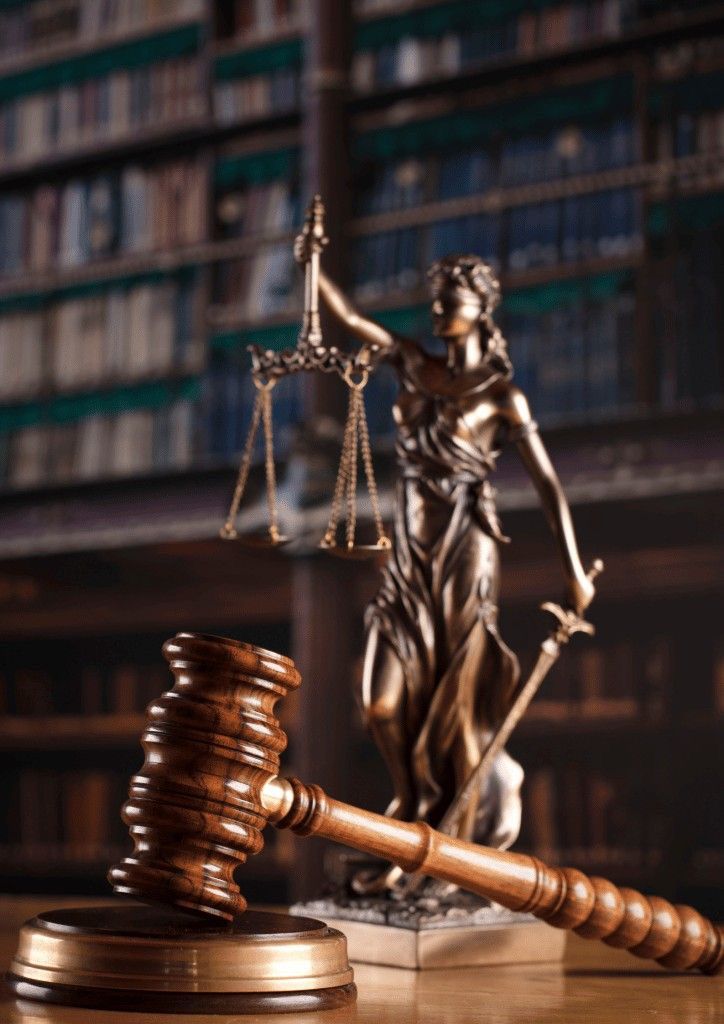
{"x":341,"y":482}
{"x":352,"y":470}
{"x":364,"y":435}
{"x":228,"y":531}
{"x":271,"y":483}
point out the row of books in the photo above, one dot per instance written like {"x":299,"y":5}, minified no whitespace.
{"x":101,"y":110}
{"x":578,"y":360}
{"x":121,"y":335}
{"x":676,"y":61}
{"x":68,"y":814}
{"x":393,"y":260}
{"x":629,"y":10}
{"x":123,"y":688}
{"x":255,"y":96}
{"x":133,"y":442}
{"x":601,"y":224}
{"x":596,"y":225}
{"x":514,"y":161}
{"x":622,"y":679}
{"x":691,"y":133}
{"x":530,"y":32}
{"x":38,"y":25}
{"x":139,"y":210}
{"x":259,"y":18}
{"x":592,"y":819}
{"x":264,"y":209}
{"x":265,"y":285}
{"x":545,"y":156}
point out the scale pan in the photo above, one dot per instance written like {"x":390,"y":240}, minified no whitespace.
{"x":357,"y":553}
{"x":264,"y":540}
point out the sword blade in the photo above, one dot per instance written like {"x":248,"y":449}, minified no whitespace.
{"x":548,"y":655}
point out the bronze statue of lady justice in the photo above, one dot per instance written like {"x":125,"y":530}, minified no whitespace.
{"x":438,"y":679}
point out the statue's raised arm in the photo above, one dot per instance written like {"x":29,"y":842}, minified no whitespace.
{"x":373,"y":336}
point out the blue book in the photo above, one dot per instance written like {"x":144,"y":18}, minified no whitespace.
{"x":531,"y":158}
{"x":575,"y":324}
{"x":516,"y":239}
{"x":588,"y":225}
{"x":13,"y":217}
{"x":550,"y":233}
{"x":103,"y":109}
{"x":620,"y":144}
{"x":386,"y":64}
{"x":506,"y":167}
{"x":452,"y":178}
{"x":440,"y":240}
{"x":52,"y":118}
{"x":532,"y":224}
{"x":407,"y":267}
{"x":518,"y":330}
{"x":570,"y":229}
{"x":161,"y":438}
{"x":209,"y":408}
{"x":184,"y":324}
{"x":685,"y":139}
{"x":102,"y":216}
{"x":625,"y":311}
{"x":554,"y":365}
{"x":381,"y":262}
{"x":602,"y":360}
{"x":384,"y":197}
{"x":10,"y":127}
{"x":544,"y":359}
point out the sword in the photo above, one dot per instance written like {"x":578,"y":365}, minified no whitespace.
{"x":568,"y":623}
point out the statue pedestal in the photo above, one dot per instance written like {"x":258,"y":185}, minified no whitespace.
{"x":456,"y":930}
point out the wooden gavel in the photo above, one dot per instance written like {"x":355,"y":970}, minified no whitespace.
{"x":209,"y":785}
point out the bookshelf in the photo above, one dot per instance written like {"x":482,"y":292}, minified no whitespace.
{"x":578,"y":146}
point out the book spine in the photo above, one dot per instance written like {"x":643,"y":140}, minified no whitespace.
{"x":88,"y":113}
{"x":87,"y":219}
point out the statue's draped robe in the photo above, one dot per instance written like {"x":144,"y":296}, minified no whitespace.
{"x":437,"y":605}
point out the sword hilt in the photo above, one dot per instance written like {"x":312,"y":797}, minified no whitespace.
{"x":570,"y":621}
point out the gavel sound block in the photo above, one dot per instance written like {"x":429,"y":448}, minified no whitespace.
{"x":209,"y":784}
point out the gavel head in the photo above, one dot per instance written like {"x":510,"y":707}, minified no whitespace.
{"x":211,"y":742}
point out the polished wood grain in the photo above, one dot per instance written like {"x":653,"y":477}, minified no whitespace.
{"x":209,"y":785}
{"x":595,"y":984}
{"x":678,"y":937}
{"x":211,"y":742}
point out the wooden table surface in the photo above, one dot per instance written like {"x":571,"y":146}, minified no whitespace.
{"x":595,"y":985}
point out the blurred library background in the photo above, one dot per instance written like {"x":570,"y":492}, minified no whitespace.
{"x":155,"y":161}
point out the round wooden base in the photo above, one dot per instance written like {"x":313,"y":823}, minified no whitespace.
{"x":148,"y":960}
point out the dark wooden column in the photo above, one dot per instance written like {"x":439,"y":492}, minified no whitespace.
{"x":322,"y":607}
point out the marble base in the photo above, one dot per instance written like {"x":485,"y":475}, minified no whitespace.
{"x":459,"y":930}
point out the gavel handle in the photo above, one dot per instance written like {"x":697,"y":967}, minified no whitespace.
{"x":677,"y":937}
